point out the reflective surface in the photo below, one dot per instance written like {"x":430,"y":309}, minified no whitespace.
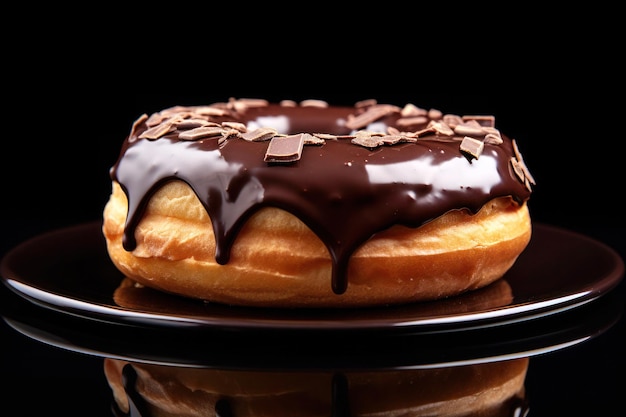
{"x":74,"y":352}
{"x":56,"y":356}
{"x":225,"y":349}
{"x":559,"y":270}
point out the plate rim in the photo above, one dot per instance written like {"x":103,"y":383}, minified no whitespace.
{"x":404,"y":351}
{"x":67,"y":304}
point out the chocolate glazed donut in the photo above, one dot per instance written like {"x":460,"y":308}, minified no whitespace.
{"x":311,"y":205}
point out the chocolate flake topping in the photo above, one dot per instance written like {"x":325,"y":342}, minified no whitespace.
{"x":236,"y":125}
{"x":193,"y":123}
{"x":314,"y":139}
{"x":520,"y":168}
{"x":201,"y":132}
{"x":136,"y":123}
{"x":158,"y":131}
{"x":412,"y":123}
{"x":411,"y":110}
{"x":472,"y":147}
{"x":370,"y":115}
{"x":314,"y":103}
{"x":260,"y":134}
{"x":285,"y":148}
{"x":469,"y":128}
{"x":441,"y":128}
{"x":482,"y":120}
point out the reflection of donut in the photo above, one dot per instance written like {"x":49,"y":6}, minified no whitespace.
{"x":488,"y":389}
{"x":138,"y":297}
{"x":259,"y":204}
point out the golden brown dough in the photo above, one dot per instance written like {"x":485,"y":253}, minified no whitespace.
{"x":277,"y":261}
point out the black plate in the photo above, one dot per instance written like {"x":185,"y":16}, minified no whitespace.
{"x":262,"y":350}
{"x":69,"y":271}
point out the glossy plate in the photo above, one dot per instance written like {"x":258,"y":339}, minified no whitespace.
{"x":255,"y":350}
{"x":68,"y":271}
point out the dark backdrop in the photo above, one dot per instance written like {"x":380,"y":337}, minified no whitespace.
{"x":69,"y":103}
{"x":73,"y":84}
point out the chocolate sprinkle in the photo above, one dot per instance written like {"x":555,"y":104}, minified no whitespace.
{"x":285,"y":148}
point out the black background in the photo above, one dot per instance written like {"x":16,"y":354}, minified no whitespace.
{"x":70,"y":103}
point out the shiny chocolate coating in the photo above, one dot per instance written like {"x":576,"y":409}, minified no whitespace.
{"x":344,"y":192}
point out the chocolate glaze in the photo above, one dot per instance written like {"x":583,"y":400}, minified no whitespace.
{"x":136,"y":404}
{"x":344,"y":192}
{"x":340,"y":398}
{"x":223,"y":408}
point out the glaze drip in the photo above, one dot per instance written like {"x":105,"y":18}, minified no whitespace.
{"x":136,"y":404}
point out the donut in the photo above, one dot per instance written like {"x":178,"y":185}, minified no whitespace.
{"x":487,"y":389}
{"x":310,"y":205}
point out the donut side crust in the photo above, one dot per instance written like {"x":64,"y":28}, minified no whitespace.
{"x":277,"y":261}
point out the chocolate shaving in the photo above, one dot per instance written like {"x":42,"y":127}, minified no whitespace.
{"x":155,"y":119}
{"x":485,"y":121}
{"x":310,"y":139}
{"x":452,"y":120}
{"x":411,"y":110}
{"x":157,"y":131}
{"x":137,"y":122}
{"x":230,"y":133}
{"x":372,"y":114}
{"x":260,"y":134}
{"x":253,"y":102}
{"x":200,"y":133}
{"x":469,"y":128}
{"x":374,"y":139}
{"x":211,"y":111}
{"x":235,"y":125}
{"x":441,"y":128}
{"x":314,"y":103}
{"x":285,"y":149}
{"x":193,"y":123}
{"x":472,"y":147}
{"x":527,"y":178}
{"x":412,"y":121}
{"x":368,"y":141}
{"x":493,"y":136}
{"x":393,"y":139}
{"x":412,"y":124}
{"x":517,"y":168}
{"x":435,"y":114}
{"x":325,"y":136}
{"x":288,"y":103}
